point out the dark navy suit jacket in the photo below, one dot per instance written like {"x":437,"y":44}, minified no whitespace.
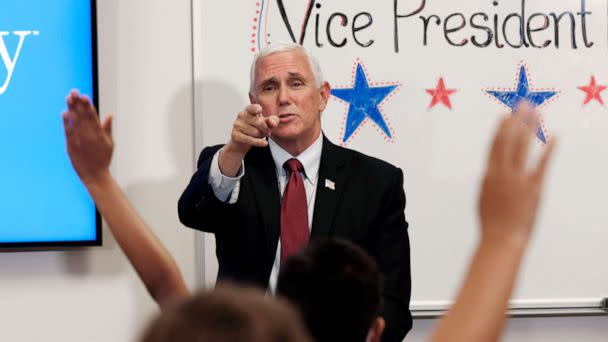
{"x":366,"y":206}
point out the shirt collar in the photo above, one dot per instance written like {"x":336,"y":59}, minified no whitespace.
{"x":310,"y":158}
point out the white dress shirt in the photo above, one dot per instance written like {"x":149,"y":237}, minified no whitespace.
{"x":226,"y":189}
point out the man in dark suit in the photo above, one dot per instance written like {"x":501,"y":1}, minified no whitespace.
{"x":279,"y":182}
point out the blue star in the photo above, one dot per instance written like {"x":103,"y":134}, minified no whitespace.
{"x":512,"y":98}
{"x":363,"y":103}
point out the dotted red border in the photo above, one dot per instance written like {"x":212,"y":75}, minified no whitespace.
{"x":255,"y":23}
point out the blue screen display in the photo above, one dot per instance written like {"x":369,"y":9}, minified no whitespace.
{"x":46,"y":49}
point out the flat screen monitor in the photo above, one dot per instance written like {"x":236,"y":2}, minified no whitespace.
{"x":47,"y":48}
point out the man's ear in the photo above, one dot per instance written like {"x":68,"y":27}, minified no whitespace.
{"x":375,"y":331}
{"x":324,"y":93}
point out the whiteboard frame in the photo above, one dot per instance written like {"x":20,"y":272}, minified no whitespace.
{"x":202,"y":279}
{"x":525,"y":308}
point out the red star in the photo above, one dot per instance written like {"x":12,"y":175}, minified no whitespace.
{"x":440,"y":94}
{"x":593,"y":91}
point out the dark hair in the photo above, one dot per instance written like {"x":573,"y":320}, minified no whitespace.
{"x":228,"y":314}
{"x":336,"y":285}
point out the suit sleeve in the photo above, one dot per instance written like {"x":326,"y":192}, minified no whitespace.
{"x":198,"y":207}
{"x":393,"y":256}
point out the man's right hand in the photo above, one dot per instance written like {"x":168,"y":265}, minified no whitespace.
{"x":250,"y":129}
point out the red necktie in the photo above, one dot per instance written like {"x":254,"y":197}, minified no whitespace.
{"x":294,"y":212}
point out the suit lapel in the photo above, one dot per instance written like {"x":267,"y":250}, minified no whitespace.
{"x":264,"y":184}
{"x":330,"y":185}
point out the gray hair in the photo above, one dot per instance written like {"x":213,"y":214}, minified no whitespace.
{"x":282,"y":46}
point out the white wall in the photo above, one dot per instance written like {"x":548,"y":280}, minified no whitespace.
{"x":92,"y":294}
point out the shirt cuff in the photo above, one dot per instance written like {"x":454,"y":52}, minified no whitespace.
{"x":225,"y":188}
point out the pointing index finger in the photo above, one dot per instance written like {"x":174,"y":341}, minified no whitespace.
{"x":254,"y":109}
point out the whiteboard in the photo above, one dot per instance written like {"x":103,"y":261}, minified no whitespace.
{"x":454,"y":66}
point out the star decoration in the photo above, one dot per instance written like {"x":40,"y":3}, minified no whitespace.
{"x":440,"y":94}
{"x":363,"y":102}
{"x":523,"y":92}
{"x":593,"y":91}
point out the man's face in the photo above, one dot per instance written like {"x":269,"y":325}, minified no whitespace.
{"x":285,"y":86}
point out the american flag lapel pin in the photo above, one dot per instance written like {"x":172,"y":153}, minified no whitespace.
{"x":330,"y":184}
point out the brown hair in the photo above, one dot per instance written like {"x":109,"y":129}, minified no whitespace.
{"x":229,"y":314}
{"x":336,"y":286}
